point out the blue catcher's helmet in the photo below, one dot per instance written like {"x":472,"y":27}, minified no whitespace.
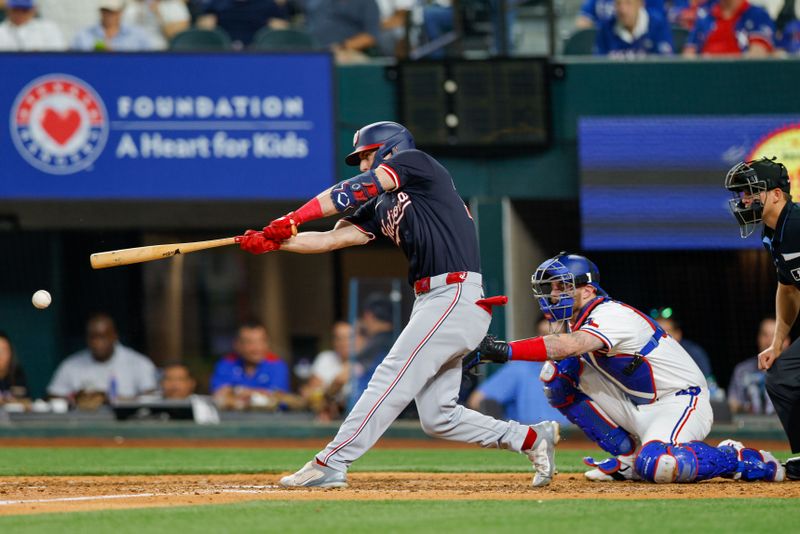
{"x":564,"y":272}
{"x":385,"y":136}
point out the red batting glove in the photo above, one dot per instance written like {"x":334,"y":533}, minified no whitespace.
{"x":254,"y":242}
{"x":282,"y":228}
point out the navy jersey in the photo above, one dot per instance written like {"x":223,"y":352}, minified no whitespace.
{"x":424,"y":216}
{"x":783,"y":244}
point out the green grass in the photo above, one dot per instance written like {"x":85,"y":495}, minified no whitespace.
{"x":418,"y":517}
{"x":157,"y":461}
{"x":16,"y":461}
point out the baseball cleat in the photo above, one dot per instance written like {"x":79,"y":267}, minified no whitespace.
{"x":617,"y":469}
{"x":314,"y":475}
{"x":543,"y":453}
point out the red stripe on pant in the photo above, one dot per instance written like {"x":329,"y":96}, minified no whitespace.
{"x":688,"y":414}
{"x":399,"y":375}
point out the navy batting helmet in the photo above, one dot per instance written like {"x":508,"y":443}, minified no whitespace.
{"x":564,"y":272}
{"x":746,"y":180}
{"x":385,"y":136}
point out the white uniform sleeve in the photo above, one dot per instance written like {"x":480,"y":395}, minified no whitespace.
{"x":621,"y":329}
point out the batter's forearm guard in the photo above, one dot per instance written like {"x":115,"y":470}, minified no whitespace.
{"x":356,"y":191}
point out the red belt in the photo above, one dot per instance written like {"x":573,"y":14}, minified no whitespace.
{"x":423,"y":285}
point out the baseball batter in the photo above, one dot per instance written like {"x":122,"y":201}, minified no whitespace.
{"x":408,"y":197}
{"x":630,"y":387}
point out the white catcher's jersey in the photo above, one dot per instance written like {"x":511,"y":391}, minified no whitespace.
{"x":638,"y":357}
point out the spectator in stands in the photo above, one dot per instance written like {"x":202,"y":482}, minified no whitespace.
{"x":23,"y":32}
{"x":251,"y":375}
{"x":241,"y":19}
{"x":633,"y":32}
{"x":177,"y":381}
{"x":160,"y":19}
{"x":731,"y":27}
{"x":106,"y":369}
{"x":327,"y":389}
{"x":350,"y":28}
{"x":376,"y":326}
{"x":437,"y":20}
{"x":788,"y":39}
{"x":111,"y":34}
{"x":71,"y":16}
{"x":515,"y":391}
{"x":594,"y":12}
{"x":394,"y":17}
{"x":747,"y":391}
{"x":13,"y":385}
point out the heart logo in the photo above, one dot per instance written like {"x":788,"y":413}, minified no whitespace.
{"x":61,"y":125}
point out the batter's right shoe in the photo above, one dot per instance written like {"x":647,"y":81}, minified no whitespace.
{"x":315,"y":475}
{"x":618,"y":469}
{"x":543,"y":453}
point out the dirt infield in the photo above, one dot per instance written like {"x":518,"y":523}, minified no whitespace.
{"x":34,"y":495}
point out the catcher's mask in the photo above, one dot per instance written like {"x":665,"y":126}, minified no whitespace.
{"x":386,"y":136}
{"x":555,"y":281}
{"x":746,"y":181}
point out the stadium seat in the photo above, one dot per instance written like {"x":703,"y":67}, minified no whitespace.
{"x":197,"y":39}
{"x":268,"y":39}
{"x":679,"y":36}
{"x":580,"y":43}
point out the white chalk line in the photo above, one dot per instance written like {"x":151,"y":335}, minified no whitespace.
{"x":74,"y":499}
{"x":247,"y":489}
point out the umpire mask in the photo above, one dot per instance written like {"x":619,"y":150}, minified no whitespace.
{"x":746,"y":181}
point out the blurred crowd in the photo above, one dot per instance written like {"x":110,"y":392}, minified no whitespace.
{"x":251,"y":377}
{"x":691,"y":28}
{"x":355,"y":30}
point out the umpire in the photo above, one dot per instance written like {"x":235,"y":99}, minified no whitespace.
{"x":761,"y":195}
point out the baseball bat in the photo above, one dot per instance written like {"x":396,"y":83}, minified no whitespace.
{"x":126,"y":256}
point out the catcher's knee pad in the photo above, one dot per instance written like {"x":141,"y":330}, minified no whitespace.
{"x":658,"y":462}
{"x":688,"y":462}
{"x":561,"y":388}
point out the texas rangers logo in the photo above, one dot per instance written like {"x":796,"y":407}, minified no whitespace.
{"x":59,"y":124}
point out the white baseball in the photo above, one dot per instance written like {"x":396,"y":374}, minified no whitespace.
{"x":41,"y":299}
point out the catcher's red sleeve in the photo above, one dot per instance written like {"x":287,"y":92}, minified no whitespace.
{"x":529,"y":350}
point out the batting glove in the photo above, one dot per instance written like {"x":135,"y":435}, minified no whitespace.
{"x":281,"y":228}
{"x":254,"y":242}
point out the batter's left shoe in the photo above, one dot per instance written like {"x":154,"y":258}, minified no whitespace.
{"x":618,"y":469}
{"x":543,"y":453}
{"x":315,"y":475}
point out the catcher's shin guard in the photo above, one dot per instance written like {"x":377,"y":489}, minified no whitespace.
{"x":561,"y":381}
{"x":688,"y":462}
{"x":753,"y":464}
